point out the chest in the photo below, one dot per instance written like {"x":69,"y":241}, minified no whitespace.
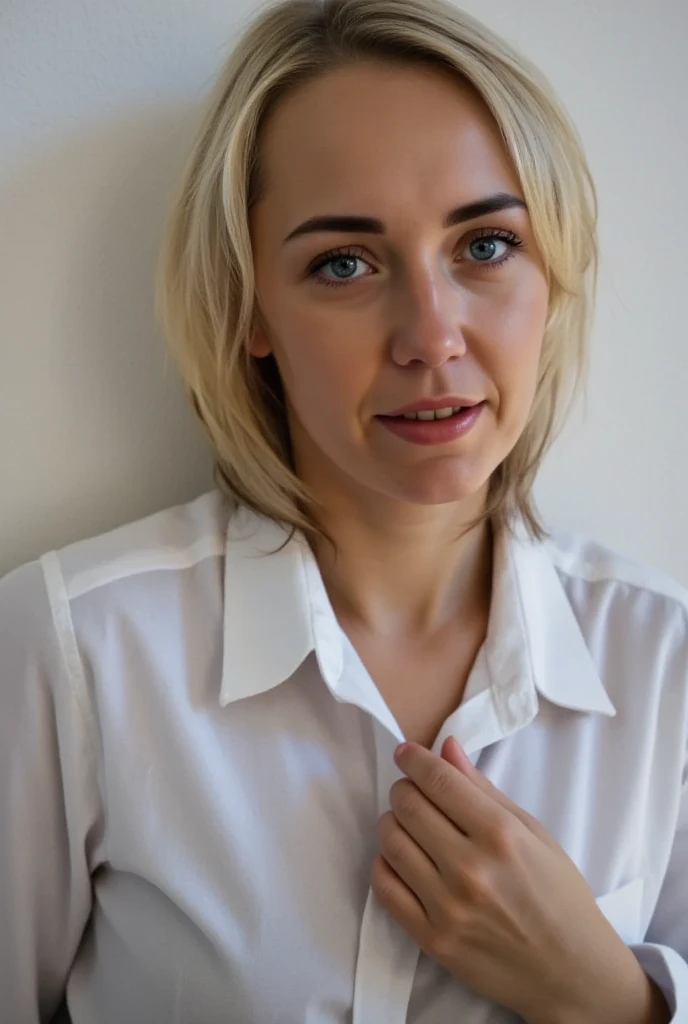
{"x":239,"y":838}
{"x":422,"y":682}
{"x":237,"y":885}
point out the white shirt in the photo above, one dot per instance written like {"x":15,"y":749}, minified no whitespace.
{"x":193,"y":760}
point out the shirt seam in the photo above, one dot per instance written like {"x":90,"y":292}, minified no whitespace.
{"x":162,"y":559}
{"x":679,"y":604}
{"x":69,"y":650}
{"x":590,"y":573}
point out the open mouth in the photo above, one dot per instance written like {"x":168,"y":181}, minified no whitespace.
{"x":431,"y":414}
{"x":434,"y":426}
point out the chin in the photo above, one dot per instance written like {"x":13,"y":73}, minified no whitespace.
{"x":443,"y":488}
{"x":441,"y":497}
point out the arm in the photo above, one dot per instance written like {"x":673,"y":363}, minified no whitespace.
{"x":632,"y":998}
{"x":47,"y":802}
{"x":664,"y":954}
{"x":653,"y":989}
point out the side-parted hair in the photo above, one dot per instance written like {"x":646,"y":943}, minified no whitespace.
{"x":205,"y":297}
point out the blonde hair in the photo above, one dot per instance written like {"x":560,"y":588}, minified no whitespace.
{"x":205,"y":295}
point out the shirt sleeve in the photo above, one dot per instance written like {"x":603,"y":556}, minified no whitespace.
{"x":664,"y":956}
{"x":48,"y":802}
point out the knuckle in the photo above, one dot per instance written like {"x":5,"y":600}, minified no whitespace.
{"x":442,"y":945}
{"x":439,"y":780}
{"x":404,"y":798}
{"x":475,"y":884}
{"x":503,"y":837}
{"x":394,"y":845}
{"x":384,"y":824}
{"x":380,"y":881}
{"x":396,"y":790}
{"x":384,"y":892}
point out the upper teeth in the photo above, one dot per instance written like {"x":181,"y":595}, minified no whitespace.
{"x":433,"y":414}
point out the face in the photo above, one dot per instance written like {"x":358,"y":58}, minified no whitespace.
{"x":396,"y":293}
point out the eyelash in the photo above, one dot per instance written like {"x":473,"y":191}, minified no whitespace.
{"x":357,"y":253}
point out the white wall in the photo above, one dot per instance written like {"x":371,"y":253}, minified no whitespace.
{"x":96,"y":113}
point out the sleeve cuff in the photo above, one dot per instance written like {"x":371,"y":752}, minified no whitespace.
{"x":669,"y":971}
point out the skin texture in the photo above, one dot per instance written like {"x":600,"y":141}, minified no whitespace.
{"x":420,"y":316}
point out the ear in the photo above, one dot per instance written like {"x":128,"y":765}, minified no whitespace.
{"x":259,"y":344}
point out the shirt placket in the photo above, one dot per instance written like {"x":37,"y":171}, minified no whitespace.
{"x":387,"y":956}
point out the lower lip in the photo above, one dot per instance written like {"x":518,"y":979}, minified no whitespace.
{"x":433,"y":431}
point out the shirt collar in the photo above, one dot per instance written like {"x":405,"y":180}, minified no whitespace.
{"x":533,"y":630}
{"x":276,"y":611}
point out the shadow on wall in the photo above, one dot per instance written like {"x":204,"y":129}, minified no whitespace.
{"x":94,"y":427}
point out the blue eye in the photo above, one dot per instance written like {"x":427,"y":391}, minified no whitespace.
{"x":483,"y":245}
{"x":483,"y":249}
{"x":339,"y":267}
{"x":342,"y":263}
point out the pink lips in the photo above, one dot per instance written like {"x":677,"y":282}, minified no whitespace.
{"x":449,"y":401}
{"x":427,"y":432}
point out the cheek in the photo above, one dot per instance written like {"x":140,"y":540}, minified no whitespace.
{"x":515,"y":344}
{"x":323,"y":353}
{"x":325,"y":374}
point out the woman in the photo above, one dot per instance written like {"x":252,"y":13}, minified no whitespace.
{"x":377,"y":280}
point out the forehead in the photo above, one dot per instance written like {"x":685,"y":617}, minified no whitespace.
{"x":376,"y":136}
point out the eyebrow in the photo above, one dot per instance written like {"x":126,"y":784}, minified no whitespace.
{"x":373,"y":226}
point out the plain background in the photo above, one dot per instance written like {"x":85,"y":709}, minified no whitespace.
{"x":98,"y":105}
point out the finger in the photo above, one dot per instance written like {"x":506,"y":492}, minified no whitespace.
{"x":454,"y":754}
{"x":410,"y":864}
{"x":398,"y":900}
{"x":429,"y":827}
{"x":466,"y":804}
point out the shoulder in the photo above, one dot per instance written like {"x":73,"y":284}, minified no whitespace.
{"x":120,"y":570}
{"x":611,"y":592}
{"x":174,"y":538}
{"x":579,"y":556}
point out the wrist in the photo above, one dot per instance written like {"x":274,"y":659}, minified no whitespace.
{"x":617,"y":992}
{"x":641,"y":1003}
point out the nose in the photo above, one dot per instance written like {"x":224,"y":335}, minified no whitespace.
{"x":427,"y":322}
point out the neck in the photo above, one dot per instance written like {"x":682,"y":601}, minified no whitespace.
{"x":406,"y":571}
